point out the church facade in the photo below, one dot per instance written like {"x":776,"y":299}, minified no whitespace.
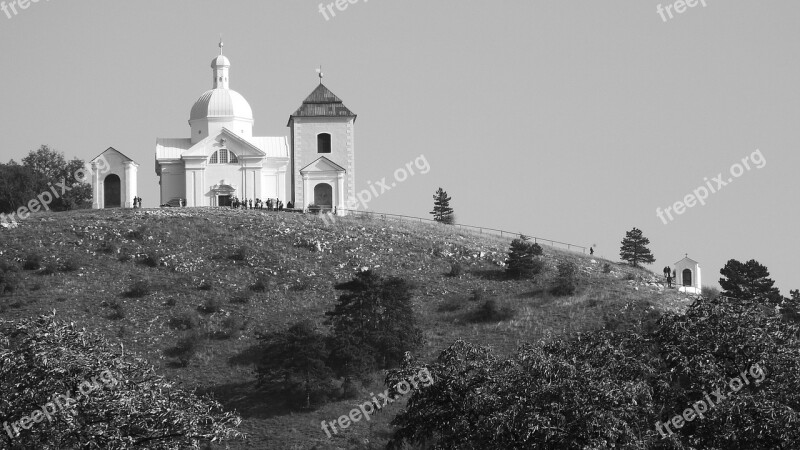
{"x":222,"y":160}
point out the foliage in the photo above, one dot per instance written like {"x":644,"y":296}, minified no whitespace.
{"x":33,"y":261}
{"x":185,"y":320}
{"x":607,"y":389}
{"x":294,"y":362}
{"x":522,"y":261}
{"x":634,"y":248}
{"x":490,"y":311}
{"x":606,"y":268}
{"x":442,"y":212}
{"x":210,"y":305}
{"x":44,"y":357}
{"x":748,"y":281}
{"x":372,"y":321}
{"x":139,"y":289}
{"x":18,"y":186}
{"x":50,"y":167}
{"x":566,"y":280}
{"x":456,"y":269}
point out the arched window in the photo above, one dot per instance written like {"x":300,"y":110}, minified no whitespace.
{"x":323,"y":143}
{"x":223,"y":156}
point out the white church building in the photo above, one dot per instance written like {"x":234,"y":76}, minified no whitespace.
{"x":688,"y":274}
{"x":222,"y":159}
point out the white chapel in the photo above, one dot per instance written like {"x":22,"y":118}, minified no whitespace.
{"x":222,"y":159}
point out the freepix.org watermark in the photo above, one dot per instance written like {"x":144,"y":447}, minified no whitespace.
{"x":680,"y":7}
{"x":367,"y":195}
{"x":341,"y":5}
{"x":57,"y":189}
{"x":59,"y":403}
{"x":700,"y":195}
{"x":11,"y":7}
{"x":699,"y":408}
{"x":366,"y":409}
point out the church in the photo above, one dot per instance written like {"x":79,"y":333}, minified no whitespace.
{"x":222,"y":160}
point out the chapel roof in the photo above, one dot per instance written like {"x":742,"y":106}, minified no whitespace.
{"x":323,"y":103}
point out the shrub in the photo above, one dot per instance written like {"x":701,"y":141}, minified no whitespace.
{"x":49,"y":269}
{"x":117,"y":311}
{"x":232,"y":327}
{"x":138,"y":234}
{"x":606,"y":268}
{"x":630,"y":276}
{"x":171,"y":302}
{"x":107,"y":247}
{"x":139,"y":289}
{"x":451,"y":304}
{"x":32,"y":262}
{"x":70,"y":265}
{"x":489,"y":311}
{"x":301,"y":285}
{"x":262,"y":284}
{"x":124,"y":255}
{"x":210,"y":305}
{"x":152,"y":260}
{"x":477,"y":295}
{"x":5,"y":266}
{"x":566,"y":280}
{"x":709,"y":292}
{"x":186,"y":347}
{"x":242,"y":297}
{"x":206,"y":285}
{"x":456,"y":269}
{"x":240,"y":254}
{"x":185,"y":320}
{"x":522,"y":261}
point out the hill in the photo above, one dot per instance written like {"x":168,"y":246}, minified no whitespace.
{"x":141,"y":277}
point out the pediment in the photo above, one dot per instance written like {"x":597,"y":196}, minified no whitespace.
{"x":233,"y":142}
{"x":322,"y":164}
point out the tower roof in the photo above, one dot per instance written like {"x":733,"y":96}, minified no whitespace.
{"x":323,"y":103}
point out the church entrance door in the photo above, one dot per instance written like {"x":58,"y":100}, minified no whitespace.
{"x":323,"y":195}
{"x":112,"y":192}
{"x":687,"y":277}
{"x":224,"y":200}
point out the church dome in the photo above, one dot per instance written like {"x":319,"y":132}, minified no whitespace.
{"x":220,"y":61}
{"x":221,"y":103}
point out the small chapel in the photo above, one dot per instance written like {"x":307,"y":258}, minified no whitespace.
{"x":222,"y":160}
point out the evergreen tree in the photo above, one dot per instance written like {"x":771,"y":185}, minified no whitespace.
{"x":522,"y":262}
{"x":442,"y":212}
{"x":294,"y":361}
{"x":634,"y":248}
{"x":566,"y":279}
{"x":748,"y":281}
{"x":373,"y":324}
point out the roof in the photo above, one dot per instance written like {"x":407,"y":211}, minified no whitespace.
{"x":687,"y":259}
{"x":274,"y":147}
{"x":169,"y":148}
{"x":221,"y":102}
{"x":323,"y":103}
{"x":110,"y":149}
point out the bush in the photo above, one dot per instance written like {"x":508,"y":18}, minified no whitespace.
{"x":240,"y":254}
{"x":606,"y":268}
{"x":301,"y":285}
{"x":709,"y":292}
{"x":206,"y":286}
{"x":5,"y":266}
{"x":139,"y":289}
{"x":185,"y":320}
{"x":49,"y":269}
{"x":451,"y":304}
{"x":242,"y":297}
{"x":186,"y":347}
{"x":32,"y":262}
{"x":456,"y":269}
{"x":211,"y":305}
{"x":232,"y":327}
{"x":477,"y":295}
{"x":117,"y":311}
{"x":152,"y":260}
{"x":522,"y":261}
{"x":107,"y":247}
{"x":262,"y":284}
{"x":124,"y":255}
{"x":70,"y":265}
{"x":489,"y":311}
{"x":566,"y":280}
{"x":139,"y":234}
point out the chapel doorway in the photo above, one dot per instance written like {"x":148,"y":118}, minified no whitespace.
{"x":687,"y":277}
{"x":323,"y":195}
{"x":112,"y":192}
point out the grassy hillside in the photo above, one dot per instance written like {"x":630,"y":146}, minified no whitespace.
{"x":130,"y":274}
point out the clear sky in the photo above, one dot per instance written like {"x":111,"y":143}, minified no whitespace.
{"x":570,"y":120}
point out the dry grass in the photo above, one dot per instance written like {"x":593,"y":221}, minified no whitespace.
{"x":277,"y":253}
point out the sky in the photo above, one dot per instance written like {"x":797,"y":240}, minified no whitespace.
{"x":568,"y":120}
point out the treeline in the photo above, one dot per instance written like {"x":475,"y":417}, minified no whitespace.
{"x":41,"y":169}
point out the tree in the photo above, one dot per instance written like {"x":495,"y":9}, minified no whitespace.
{"x":634,"y":248}
{"x":566,"y":283}
{"x":133,"y":407}
{"x":522,"y":261}
{"x":373,"y":324}
{"x":294,"y":361}
{"x":748,"y":281}
{"x":51,"y":167}
{"x":18,"y":186}
{"x":442,"y":212}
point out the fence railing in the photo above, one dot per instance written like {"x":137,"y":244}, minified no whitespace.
{"x":472,"y":228}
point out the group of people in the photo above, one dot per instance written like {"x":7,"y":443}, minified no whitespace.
{"x":137,"y":202}
{"x":270,"y":204}
{"x":669,"y":275}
